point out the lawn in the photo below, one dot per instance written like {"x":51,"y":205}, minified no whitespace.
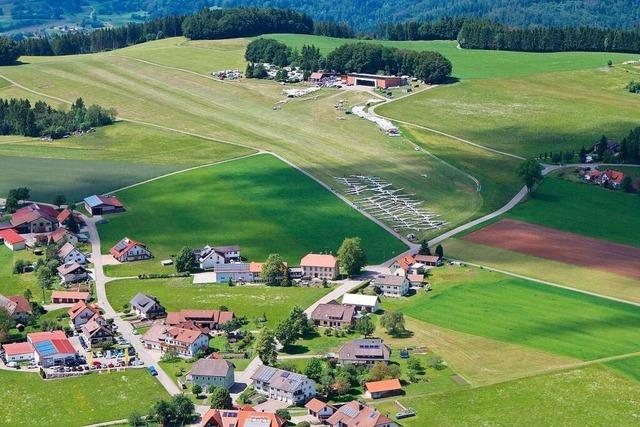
{"x":589,"y":396}
{"x":554,"y":320}
{"x":528,"y":115}
{"x":629,"y":367}
{"x":470,"y":64}
{"x":27,"y":400}
{"x":583,"y":209}
{"x":250,"y":301}
{"x":260,"y":203}
{"x":16,"y":284}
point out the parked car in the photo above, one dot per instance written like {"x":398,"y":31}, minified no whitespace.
{"x":152,"y":370}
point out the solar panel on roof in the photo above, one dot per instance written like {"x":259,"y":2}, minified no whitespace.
{"x":93,"y":201}
{"x":46,"y":348}
{"x":257,"y":422}
{"x":349,"y":411}
{"x":285,"y":374}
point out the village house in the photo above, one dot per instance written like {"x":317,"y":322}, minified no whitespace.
{"x":18,"y":352}
{"x":68,"y":254}
{"x":391,"y":285}
{"x":97,"y":332}
{"x":185,"y":342}
{"x":319,"y":409}
{"x":12,"y":240}
{"x":285,"y":386}
{"x":384,"y":388}
{"x":17,"y":306}
{"x":319,"y":266}
{"x":98,"y":205}
{"x":608,"y":177}
{"x":68,"y":297}
{"x":356,"y":414}
{"x":333,"y":315}
{"x":366,"y":351}
{"x":429,"y":260}
{"x":127,"y":250}
{"x":51,"y":348}
{"x":209,"y":257}
{"x":203,"y":320}
{"x":415,"y":279}
{"x":245,"y":416}
{"x":35,"y":218}
{"x":62,"y":235}
{"x":64,"y":218}
{"x":212,"y":372}
{"x":368,"y":303}
{"x":146,"y":307}
{"x":404,"y":263}
{"x":72,"y":273}
{"x":81,"y":313}
{"x":222,"y":273}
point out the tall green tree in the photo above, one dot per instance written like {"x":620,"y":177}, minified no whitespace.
{"x":314,"y":369}
{"x":365,"y":326}
{"x":59,"y":200}
{"x":265,"y":347}
{"x":6,"y":323}
{"x":440,"y":251}
{"x":273,"y":270}
{"x":185,"y":260}
{"x":530,"y":172}
{"x":351,"y":256}
{"x":220,"y":398}
{"x":424,"y":248}
{"x":393,"y":322}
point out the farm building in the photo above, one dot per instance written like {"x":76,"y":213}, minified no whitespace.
{"x":384,"y":388}
{"x":374,"y":80}
{"x":369,"y":303}
{"x":185,"y":342}
{"x":203,"y":320}
{"x":12,"y":240}
{"x":17,"y":306}
{"x":127,"y":250}
{"x":35,"y":218}
{"x":98,"y":205}
{"x":319,"y":266}
{"x":68,"y":297}
{"x":18,"y":352}
{"x":429,"y":260}
{"x":209,"y":257}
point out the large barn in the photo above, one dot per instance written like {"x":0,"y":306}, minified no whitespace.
{"x":373,"y":80}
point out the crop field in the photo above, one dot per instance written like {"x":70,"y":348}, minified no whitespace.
{"x":250,"y":301}
{"x":517,"y":311}
{"x":593,"y":395}
{"x":528,"y":115}
{"x":27,"y":400}
{"x":260,"y":203}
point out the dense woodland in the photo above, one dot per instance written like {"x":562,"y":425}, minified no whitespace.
{"x":19,"y":117}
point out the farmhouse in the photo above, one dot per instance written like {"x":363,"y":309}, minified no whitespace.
{"x":319,"y":409}
{"x":35,"y":218}
{"x":68,"y":297}
{"x":98,"y":205}
{"x":81,"y":313}
{"x":611,"y":177}
{"x":283,"y":385}
{"x":185,"y":342}
{"x":429,"y":260}
{"x":320,"y":76}
{"x":203,"y":320}
{"x":374,"y":80}
{"x":356,"y":414}
{"x":12,"y":240}
{"x":61,"y":235}
{"x":415,"y":279}
{"x":243,"y":417}
{"x":236,"y":272}
{"x":69,"y":254}
{"x":97,"y":331}
{"x":369,"y":303}
{"x":365,"y":351}
{"x":127,"y":250}
{"x":51,"y":348}
{"x":404,"y":263}
{"x":212,"y":372}
{"x":17,"y":306}
{"x":319,"y":266}
{"x":18,"y":352}
{"x":146,"y":307}
{"x":65,"y":216}
{"x":73,"y":272}
{"x":333,"y":315}
{"x":391,"y":285}
{"x":384,"y":388}
{"x":210,"y":256}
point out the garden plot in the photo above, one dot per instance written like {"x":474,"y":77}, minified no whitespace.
{"x":386,"y":203}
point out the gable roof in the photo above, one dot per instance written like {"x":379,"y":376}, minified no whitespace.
{"x":319,"y":260}
{"x":614,"y":175}
{"x":70,"y":295}
{"x":279,"y":378}
{"x":79,"y":307}
{"x":8,"y":305}
{"x":182,"y":316}
{"x":36,"y":337}
{"x":18,"y":348}
{"x":361,"y":300}
{"x":355,"y":414}
{"x":66,"y":249}
{"x":93,"y":326}
{"x":33,"y":212}
{"x":59,"y":234}
{"x":211,"y":368}
{"x":144,"y":303}
{"x":427,"y":258}
{"x":244,"y":417}
{"x":366,"y":348}
{"x":11,"y":236}
{"x":70,"y":268}
{"x":317,"y":405}
{"x":333,"y":311}
{"x":390,"y":280}
{"x":405,"y":262}
{"x":22,"y":305}
{"x":124,"y":246}
{"x":384,"y":385}
{"x":93,"y":201}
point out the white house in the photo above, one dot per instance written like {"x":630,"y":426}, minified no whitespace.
{"x":209,"y":257}
{"x":51,"y":348}
{"x":185,"y":342}
{"x":81,"y":313}
{"x":146,"y":307}
{"x":69,"y":254}
{"x":127,"y":250}
{"x":212,"y":372}
{"x":370,"y":303}
{"x":392,"y":285}
{"x":18,"y":352}
{"x":74,"y":272}
{"x":283,"y":385}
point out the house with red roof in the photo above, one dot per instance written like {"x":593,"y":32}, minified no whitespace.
{"x":356,"y":414}
{"x":17,"y":306}
{"x":320,"y":266}
{"x":242,"y":417}
{"x":612,"y":177}
{"x":12,"y":239}
{"x":384,"y":388}
{"x":68,"y":297}
{"x":62,"y":235}
{"x":185,"y":342}
{"x":202,"y":320}
{"x":65,"y":215}
{"x":35,"y":218}
{"x":319,"y":409}
{"x":18,"y":352}
{"x":51,"y":348}
{"x":96,"y":331}
{"x":99,"y":205}
{"x":81,"y":313}
{"x":127,"y":250}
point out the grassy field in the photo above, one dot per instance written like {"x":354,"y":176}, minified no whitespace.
{"x":249,"y":301}
{"x":516,"y":311}
{"x":629,"y":367}
{"x":583,"y":209}
{"x":27,"y":400}
{"x":260,"y":203}
{"x":589,"y":396}
{"x":528,"y":115}
{"x":574,"y":276}
{"x":468,"y":64}
{"x":16,"y":284}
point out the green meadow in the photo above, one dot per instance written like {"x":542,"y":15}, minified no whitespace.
{"x":251,"y":301}
{"x":16,"y":284}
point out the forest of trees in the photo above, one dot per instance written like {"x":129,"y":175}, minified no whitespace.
{"x":491,"y":35}
{"x":440,"y":29}
{"x":18,"y":117}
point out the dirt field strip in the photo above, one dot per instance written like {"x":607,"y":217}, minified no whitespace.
{"x":560,"y":246}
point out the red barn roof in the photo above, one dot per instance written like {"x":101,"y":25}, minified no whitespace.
{"x":11,"y":236}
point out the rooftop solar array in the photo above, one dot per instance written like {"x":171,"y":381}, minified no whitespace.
{"x":46,"y":348}
{"x":257,"y":422}
{"x":349,"y":411}
{"x":93,"y":201}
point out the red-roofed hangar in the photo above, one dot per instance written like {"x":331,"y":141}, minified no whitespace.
{"x":373,"y":80}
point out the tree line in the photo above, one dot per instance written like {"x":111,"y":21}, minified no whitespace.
{"x":19,"y":117}
{"x":445,"y":28}
{"x":475,"y":34}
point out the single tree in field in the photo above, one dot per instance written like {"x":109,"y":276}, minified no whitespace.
{"x":439,"y":251}
{"x":6,"y":323}
{"x":220,"y":398}
{"x":265,"y":347}
{"x":185,"y":260}
{"x":27,"y":294}
{"x":424,"y":248}
{"x":530,"y":172}
{"x":273,"y":270}
{"x":393,"y":322}
{"x":196,"y":390}
{"x":365,"y":326}
{"x":351,"y":256}
{"x":59,"y":200}
{"x":286,"y":332}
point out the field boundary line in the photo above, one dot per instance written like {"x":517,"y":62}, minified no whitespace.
{"x":548,"y":283}
{"x":170,"y":67}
